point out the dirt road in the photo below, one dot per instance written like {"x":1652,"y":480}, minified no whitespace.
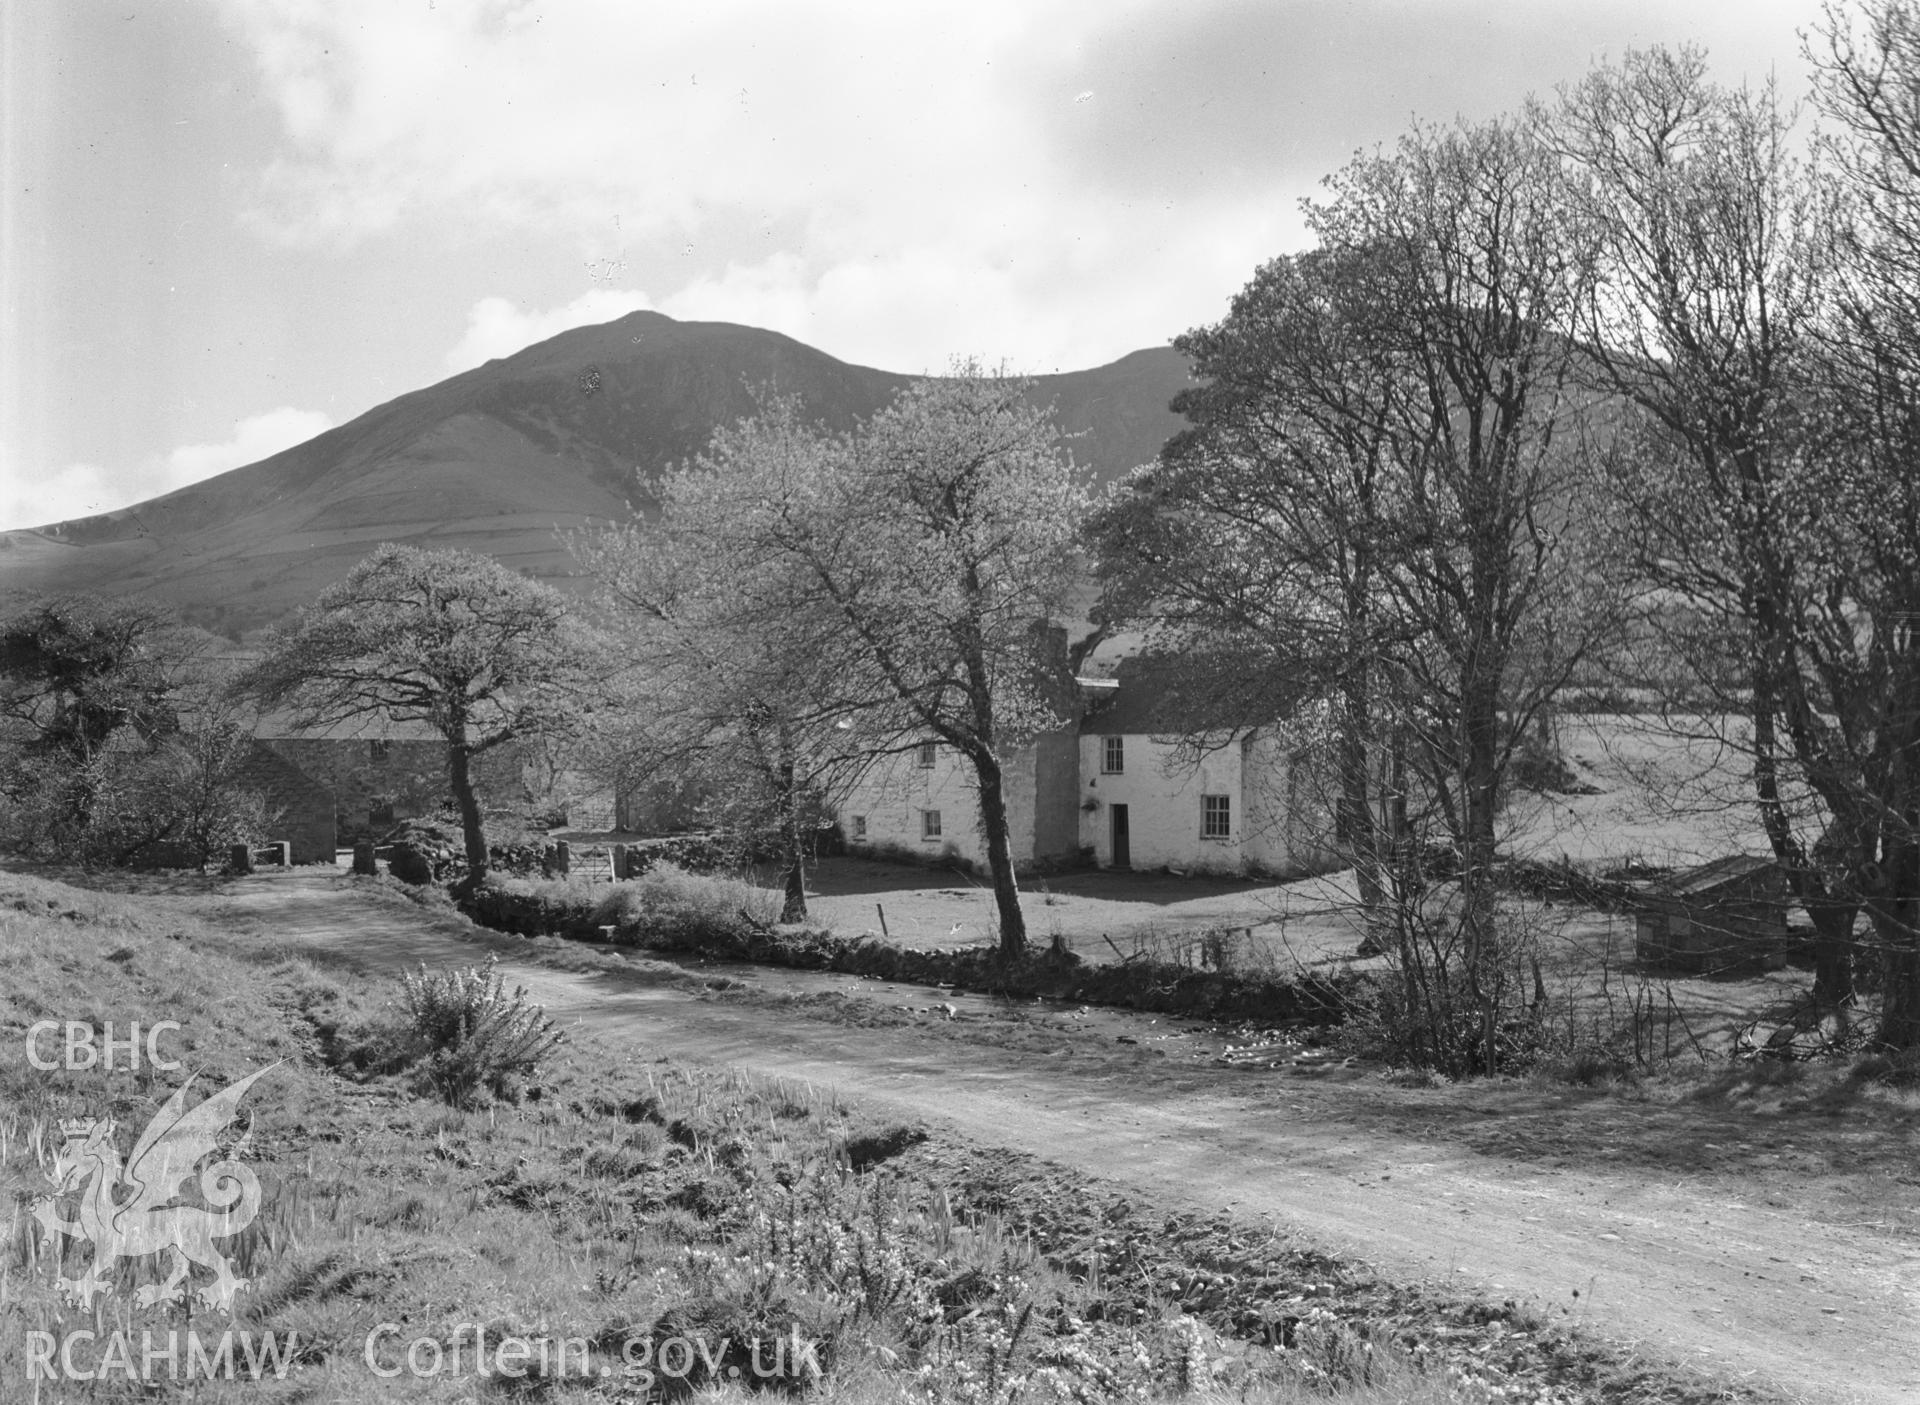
{"x":1686,"y":1266}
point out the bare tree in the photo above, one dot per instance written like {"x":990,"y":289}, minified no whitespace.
{"x":1857,"y":734}
{"x":1254,"y":543}
{"x":1382,"y":489}
{"x":1706,"y":320}
{"x":1495,"y":594}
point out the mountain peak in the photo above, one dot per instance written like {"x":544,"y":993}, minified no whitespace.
{"x":570,"y":430}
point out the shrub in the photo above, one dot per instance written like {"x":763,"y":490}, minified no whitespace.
{"x":1591,"y":1065}
{"x":1429,"y":1021}
{"x":1539,"y":767}
{"x":668,"y":904}
{"x":666,"y":907}
{"x":537,"y":906}
{"x":473,"y":1034}
{"x":409,"y":865}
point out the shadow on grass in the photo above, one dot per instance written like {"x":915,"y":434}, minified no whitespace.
{"x":160,"y":883}
{"x":1762,"y":1120}
{"x":855,"y":877}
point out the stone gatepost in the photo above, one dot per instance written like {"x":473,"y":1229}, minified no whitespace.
{"x":364,"y":863}
{"x":562,"y":858}
{"x":619,"y":853}
{"x":282,"y":853}
{"x":240,"y":858}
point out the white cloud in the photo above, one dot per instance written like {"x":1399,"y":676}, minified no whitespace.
{"x":84,"y":489}
{"x":667,"y":117}
{"x":794,"y":167}
{"x":497,"y":326}
{"x":78,"y":490}
{"x":1057,"y":295}
{"x":254,"y":438}
{"x":1039,"y":305}
{"x":1054,"y":182}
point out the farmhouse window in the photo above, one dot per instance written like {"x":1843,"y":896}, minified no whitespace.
{"x":859,"y":826}
{"x":926,"y":754}
{"x":1113,"y":756}
{"x":929,"y":824}
{"x":1216,"y":816}
{"x":377,"y":751}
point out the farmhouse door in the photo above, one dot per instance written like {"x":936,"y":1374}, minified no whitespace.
{"x":1122,"y":844}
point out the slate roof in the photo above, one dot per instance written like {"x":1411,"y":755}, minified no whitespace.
{"x":1163,"y":695}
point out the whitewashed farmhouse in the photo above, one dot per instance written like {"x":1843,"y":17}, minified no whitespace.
{"x":921,"y":804}
{"x":1129,"y":787}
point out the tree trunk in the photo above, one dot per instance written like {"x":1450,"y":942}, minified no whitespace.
{"x":1479,"y":800}
{"x":460,"y":775}
{"x":1006,"y":885}
{"x":1832,"y":952}
{"x":793,"y":906}
{"x":1900,"y":1005}
{"x":792,"y":835}
{"x":1896,"y":919}
{"x":1354,"y":827}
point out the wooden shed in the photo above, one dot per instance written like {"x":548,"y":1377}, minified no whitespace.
{"x":1728,"y":915}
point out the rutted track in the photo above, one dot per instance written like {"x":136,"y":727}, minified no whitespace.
{"x":1679,"y":1266}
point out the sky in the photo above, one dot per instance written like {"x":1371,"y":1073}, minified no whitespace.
{"x":227,"y":226}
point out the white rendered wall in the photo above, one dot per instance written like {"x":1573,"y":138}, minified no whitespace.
{"x":895,"y":790}
{"x":1162,"y":787}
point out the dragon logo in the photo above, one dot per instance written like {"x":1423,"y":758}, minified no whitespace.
{"x":131,"y":1211}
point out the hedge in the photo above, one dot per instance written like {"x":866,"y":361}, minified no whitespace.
{"x":573,"y":910}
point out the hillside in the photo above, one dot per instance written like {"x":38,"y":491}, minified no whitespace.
{"x":568,"y":431}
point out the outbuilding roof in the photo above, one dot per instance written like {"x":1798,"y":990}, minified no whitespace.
{"x":1698,"y":882}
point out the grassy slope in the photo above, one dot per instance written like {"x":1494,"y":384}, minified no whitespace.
{"x":632,"y":1196}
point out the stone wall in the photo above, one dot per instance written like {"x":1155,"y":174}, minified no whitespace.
{"x":301,"y":807}
{"x":374,"y":784}
{"x":1056,"y":796}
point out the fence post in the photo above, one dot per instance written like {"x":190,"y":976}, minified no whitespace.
{"x":363,"y":862}
{"x":562,"y":858}
{"x":240,"y":858}
{"x":619,"y":861}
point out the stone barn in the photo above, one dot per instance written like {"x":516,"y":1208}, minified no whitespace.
{"x":1729,"y":915}
{"x":302,"y":807}
{"x":382,"y":773}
